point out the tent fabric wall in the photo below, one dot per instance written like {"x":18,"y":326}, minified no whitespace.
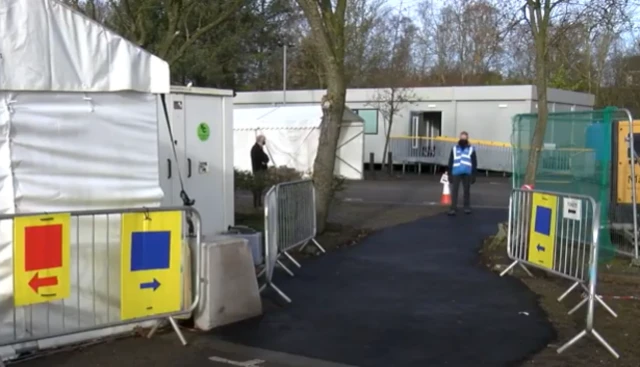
{"x":78,"y":130}
{"x":60,"y":162}
{"x":351,"y":160}
{"x":292,"y":134}
{"x":291,"y":148}
{"x":47,"y":46}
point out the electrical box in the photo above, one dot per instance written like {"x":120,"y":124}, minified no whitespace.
{"x":201,"y":120}
{"x":254,"y":239}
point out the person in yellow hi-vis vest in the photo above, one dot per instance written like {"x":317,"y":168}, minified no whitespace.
{"x":463,"y":166}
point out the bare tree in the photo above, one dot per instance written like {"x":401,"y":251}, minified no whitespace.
{"x":389,"y":102}
{"x":327,"y":22}
{"x":467,"y":41}
{"x":425,"y":35}
{"x":366,"y":38}
{"x":170,"y":27}
{"x":398,"y":71}
{"x":477,"y":27}
{"x":603,"y":27}
{"x":95,"y":9}
{"x":537,"y":14}
{"x":519,"y":57}
{"x":543,"y":17}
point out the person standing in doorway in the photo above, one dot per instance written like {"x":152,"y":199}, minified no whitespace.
{"x":463,"y":165}
{"x":259,"y":161}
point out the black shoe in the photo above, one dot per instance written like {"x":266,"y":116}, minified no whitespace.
{"x":451,"y":213}
{"x":467,"y":211}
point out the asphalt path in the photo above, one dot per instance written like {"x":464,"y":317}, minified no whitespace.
{"x":409,"y":295}
{"x":487,"y":192}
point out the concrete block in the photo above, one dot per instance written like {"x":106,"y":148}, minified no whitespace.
{"x":230,"y":290}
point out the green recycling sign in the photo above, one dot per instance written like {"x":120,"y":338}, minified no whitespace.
{"x":203,"y":131}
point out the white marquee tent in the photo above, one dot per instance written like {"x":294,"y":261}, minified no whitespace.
{"x":78,"y":130}
{"x":292,"y":134}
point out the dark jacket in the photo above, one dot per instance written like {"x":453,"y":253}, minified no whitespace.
{"x":259,"y":158}
{"x":474,"y":161}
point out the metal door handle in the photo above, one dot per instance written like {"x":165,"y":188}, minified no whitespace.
{"x":168,"y":168}
{"x":189,"y":167}
{"x":415,"y":132}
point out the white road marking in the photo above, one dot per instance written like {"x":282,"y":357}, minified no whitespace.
{"x":353,"y":199}
{"x":251,"y":363}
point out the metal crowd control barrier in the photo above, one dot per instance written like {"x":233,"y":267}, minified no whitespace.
{"x":559,"y":233}
{"x":492,"y":155}
{"x":571,"y":163}
{"x":82,"y":271}
{"x":495,"y":156}
{"x":290,"y":223}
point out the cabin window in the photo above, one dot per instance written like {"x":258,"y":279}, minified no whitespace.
{"x":370,"y":117}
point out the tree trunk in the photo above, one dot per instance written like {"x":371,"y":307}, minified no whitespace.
{"x":324,"y":163}
{"x":537,"y":140}
{"x":327,"y":22}
{"x":385,"y":154}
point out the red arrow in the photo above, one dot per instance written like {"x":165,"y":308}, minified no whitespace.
{"x":35,"y":283}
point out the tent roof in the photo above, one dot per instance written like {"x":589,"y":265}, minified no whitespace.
{"x":284,"y":117}
{"x":47,"y":46}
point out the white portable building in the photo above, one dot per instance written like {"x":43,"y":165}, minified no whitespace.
{"x":483,"y":111}
{"x":202,"y":126}
{"x":78,"y":130}
{"x":292,"y":134}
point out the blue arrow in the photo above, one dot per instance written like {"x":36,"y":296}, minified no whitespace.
{"x":539,"y":248}
{"x":150,"y":285}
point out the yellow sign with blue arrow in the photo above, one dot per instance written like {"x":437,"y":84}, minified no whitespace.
{"x":150,"y":264}
{"x":542,"y":232}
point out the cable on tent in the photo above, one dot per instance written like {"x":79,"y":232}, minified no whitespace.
{"x":186,"y":200}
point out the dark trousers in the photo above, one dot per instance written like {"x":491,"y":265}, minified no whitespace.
{"x":259,"y":177}
{"x":257,"y":198}
{"x":466,"y":188}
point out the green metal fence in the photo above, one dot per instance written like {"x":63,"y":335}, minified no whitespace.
{"x":580,"y":155}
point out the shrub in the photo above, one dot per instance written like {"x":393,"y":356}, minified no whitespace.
{"x":245,"y":180}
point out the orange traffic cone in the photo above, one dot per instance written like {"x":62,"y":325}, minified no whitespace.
{"x":445,"y":199}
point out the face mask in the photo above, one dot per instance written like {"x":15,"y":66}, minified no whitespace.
{"x":463,"y":142}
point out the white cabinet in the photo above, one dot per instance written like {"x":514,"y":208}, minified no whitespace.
{"x":202,"y":125}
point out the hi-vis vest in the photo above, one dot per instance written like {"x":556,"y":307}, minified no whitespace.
{"x":462,"y":160}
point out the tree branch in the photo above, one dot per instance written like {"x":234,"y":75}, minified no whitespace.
{"x":230,"y":10}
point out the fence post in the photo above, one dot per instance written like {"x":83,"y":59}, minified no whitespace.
{"x":371,"y":161}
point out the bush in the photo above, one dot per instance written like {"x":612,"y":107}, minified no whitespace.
{"x":245,"y":180}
